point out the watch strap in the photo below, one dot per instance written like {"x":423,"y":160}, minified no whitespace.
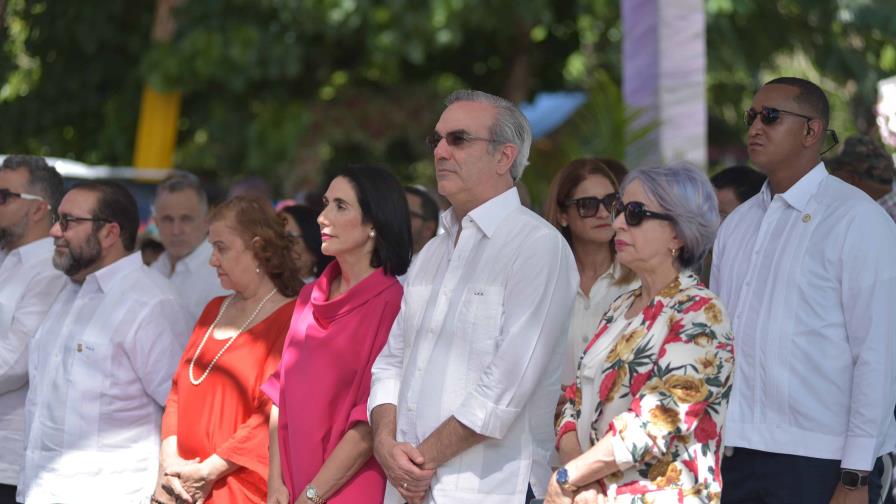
{"x":852,"y":480}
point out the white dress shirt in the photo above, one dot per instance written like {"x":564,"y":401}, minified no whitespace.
{"x":194,"y":281}
{"x":480,"y":337}
{"x":100,"y":369}
{"x":28,"y":285}
{"x":587,"y":312}
{"x":808,"y":279}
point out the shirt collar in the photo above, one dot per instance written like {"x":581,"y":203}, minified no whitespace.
{"x":106,"y":278}
{"x":34,"y":251}
{"x":195,"y":259}
{"x":487,"y":215}
{"x":799,"y":194}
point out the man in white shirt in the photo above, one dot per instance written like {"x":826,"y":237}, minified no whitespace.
{"x":100,"y":365}
{"x":802,"y":269}
{"x":463,"y":395}
{"x":30,"y":191}
{"x":180,"y":211}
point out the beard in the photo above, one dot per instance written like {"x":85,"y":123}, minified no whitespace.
{"x":13,"y":234}
{"x":74,"y":260}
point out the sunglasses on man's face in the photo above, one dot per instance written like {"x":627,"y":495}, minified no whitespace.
{"x":588,"y":206}
{"x":6,"y":195}
{"x":635,"y":213}
{"x":770,"y":115}
{"x":454,"y":139}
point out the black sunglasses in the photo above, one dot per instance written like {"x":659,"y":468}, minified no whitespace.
{"x":6,"y":195}
{"x":589,"y":205}
{"x":770,"y":115}
{"x":635,"y":213}
{"x":454,"y":139}
{"x":65,"y":220}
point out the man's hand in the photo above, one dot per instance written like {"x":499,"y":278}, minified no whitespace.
{"x":843,"y":495}
{"x":400,"y":462}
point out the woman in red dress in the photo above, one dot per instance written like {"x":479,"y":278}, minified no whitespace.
{"x":215,"y":426}
{"x":321,"y":441}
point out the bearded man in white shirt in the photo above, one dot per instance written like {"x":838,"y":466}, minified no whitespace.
{"x":100,"y":365}
{"x":30,"y":191}
{"x":462,"y":397}
{"x":180,"y":211}
{"x":802,"y":269}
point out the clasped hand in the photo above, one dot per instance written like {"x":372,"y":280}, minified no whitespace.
{"x":402,"y":463}
{"x":187,"y":481}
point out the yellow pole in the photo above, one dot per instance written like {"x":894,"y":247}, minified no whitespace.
{"x":159,"y":112}
{"x":156,"y":129}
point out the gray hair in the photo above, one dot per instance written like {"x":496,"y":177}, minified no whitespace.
{"x":43,"y":179}
{"x":510,"y":126}
{"x":685,"y":193}
{"x":182,"y":181}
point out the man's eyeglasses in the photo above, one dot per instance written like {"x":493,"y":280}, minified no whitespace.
{"x":65,"y":221}
{"x":589,"y":205}
{"x":770,"y":115}
{"x":6,"y":195}
{"x":635,"y":213}
{"x":454,"y":139}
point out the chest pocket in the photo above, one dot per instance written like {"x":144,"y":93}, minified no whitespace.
{"x":479,"y":320}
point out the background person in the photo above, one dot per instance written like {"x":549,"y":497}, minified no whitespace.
{"x":180,"y":211}
{"x":735,"y":185}
{"x":864,"y":164}
{"x":301,"y":224}
{"x":578,"y":205}
{"x":215,"y":427}
{"x":651,"y":390}
{"x":321,"y":443}
{"x":424,"y":213}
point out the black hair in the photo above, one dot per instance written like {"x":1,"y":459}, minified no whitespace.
{"x":743,"y":180}
{"x":114,"y":204}
{"x":428,"y":206}
{"x":383,"y":204}
{"x":306,"y":220}
{"x":43,"y":179}
{"x":809,"y":95}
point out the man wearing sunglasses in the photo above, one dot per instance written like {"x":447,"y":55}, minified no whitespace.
{"x":30,"y":190}
{"x":100,"y":365}
{"x":802,"y":270}
{"x":463,"y":395}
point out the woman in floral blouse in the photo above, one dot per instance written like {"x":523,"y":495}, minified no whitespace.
{"x":642,"y":422}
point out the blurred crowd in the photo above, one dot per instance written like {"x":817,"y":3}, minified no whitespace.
{"x":374,"y":347}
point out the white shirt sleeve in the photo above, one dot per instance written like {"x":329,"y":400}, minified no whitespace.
{"x":385,"y":383}
{"x":538,"y":303}
{"x":29,"y":313}
{"x":868,"y":293}
{"x":156,"y":345}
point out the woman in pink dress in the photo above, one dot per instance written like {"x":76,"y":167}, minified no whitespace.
{"x":321,"y":442}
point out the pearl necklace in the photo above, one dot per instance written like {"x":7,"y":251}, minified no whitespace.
{"x":211,"y":328}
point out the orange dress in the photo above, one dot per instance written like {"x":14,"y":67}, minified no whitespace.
{"x":227,"y":414}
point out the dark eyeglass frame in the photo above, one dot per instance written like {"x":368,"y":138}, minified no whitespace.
{"x":456,"y":138}
{"x":6,"y":194}
{"x":771,"y":115}
{"x":588,"y":206}
{"x":65,"y":220}
{"x":635,"y":212}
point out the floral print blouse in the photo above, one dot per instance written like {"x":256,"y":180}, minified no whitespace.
{"x":669,"y":372}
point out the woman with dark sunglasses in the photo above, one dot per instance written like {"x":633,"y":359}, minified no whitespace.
{"x":643,"y":419}
{"x":578,"y":205}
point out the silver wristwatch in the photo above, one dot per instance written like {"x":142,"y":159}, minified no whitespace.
{"x":312,"y":494}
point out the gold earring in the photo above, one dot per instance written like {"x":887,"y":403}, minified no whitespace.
{"x":674,"y":252}
{"x":372,"y":233}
